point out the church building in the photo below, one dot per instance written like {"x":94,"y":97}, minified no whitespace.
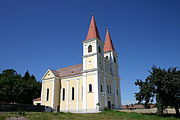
{"x":88,"y":87}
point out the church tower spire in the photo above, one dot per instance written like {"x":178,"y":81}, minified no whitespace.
{"x":108,"y":45}
{"x":112,"y":67}
{"x":93,"y":64}
{"x":93,"y":30}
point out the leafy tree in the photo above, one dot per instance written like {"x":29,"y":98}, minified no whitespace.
{"x":145,"y":93}
{"x":17,"y":89}
{"x":162,"y":84}
{"x":30,"y":88}
{"x":8,"y":86}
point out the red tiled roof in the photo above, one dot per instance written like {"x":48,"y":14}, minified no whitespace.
{"x":68,"y":71}
{"x":108,"y":45}
{"x":132,"y":106}
{"x":93,"y":30}
{"x":56,"y":73}
{"x":37,"y":99}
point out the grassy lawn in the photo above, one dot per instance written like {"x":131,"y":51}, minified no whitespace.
{"x":107,"y":115}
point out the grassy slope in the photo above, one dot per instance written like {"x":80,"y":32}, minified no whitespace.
{"x":107,"y":115}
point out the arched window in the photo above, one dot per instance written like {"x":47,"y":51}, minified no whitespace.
{"x":110,"y":89}
{"x":111,"y":70}
{"x":107,"y":89}
{"x":72,"y":93}
{"x":89,"y":48}
{"x":63,"y":97}
{"x":99,"y":49}
{"x":106,"y":57}
{"x":82,"y":92}
{"x":90,"y":88}
{"x":114,"y":60}
{"x":101,"y":88}
{"x":47,"y":96}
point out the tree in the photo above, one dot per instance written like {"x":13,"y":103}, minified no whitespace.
{"x":162,"y":84}
{"x":14,"y":88}
{"x":145,"y":93}
{"x":8,"y":85}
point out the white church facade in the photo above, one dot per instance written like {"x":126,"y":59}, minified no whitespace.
{"x":88,"y":87}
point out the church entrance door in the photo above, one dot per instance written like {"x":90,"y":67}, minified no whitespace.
{"x":109,"y":104}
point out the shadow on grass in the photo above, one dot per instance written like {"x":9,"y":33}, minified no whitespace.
{"x":164,"y":115}
{"x":138,"y":115}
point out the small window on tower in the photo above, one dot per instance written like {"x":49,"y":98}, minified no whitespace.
{"x":99,"y":49}
{"x":89,"y":48}
{"x":107,"y":89}
{"x":106,"y":57}
{"x":101,"y":88}
{"x":114,"y":60}
{"x":90,"y":88}
{"x":110,"y":89}
{"x":111,"y":70}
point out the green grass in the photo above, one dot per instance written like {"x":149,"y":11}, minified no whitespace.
{"x":106,"y":115}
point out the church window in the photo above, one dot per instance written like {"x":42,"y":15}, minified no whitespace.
{"x":107,"y":88}
{"x":47,"y":97}
{"x":117,"y":91}
{"x":106,"y":57}
{"x":89,"y":48}
{"x":101,"y":88}
{"x":90,"y":87}
{"x":82,"y":92}
{"x":111,"y":70}
{"x":72,"y":93}
{"x":114,"y":60}
{"x":99,"y":49}
{"x":63,"y":97}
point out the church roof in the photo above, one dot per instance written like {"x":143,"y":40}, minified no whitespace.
{"x":56,"y":73}
{"x":93,"y":30}
{"x":68,"y":71}
{"x":108,"y":45}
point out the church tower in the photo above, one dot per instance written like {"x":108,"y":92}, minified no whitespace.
{"x":111,"y":67}
{"x":93,"y":64}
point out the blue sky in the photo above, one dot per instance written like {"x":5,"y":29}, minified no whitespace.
{"x":37,"y":34}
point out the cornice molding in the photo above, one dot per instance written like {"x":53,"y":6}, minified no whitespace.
{"x":86,"y":41}
{"x":89,"y":70}
{"x":89,"y":55}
